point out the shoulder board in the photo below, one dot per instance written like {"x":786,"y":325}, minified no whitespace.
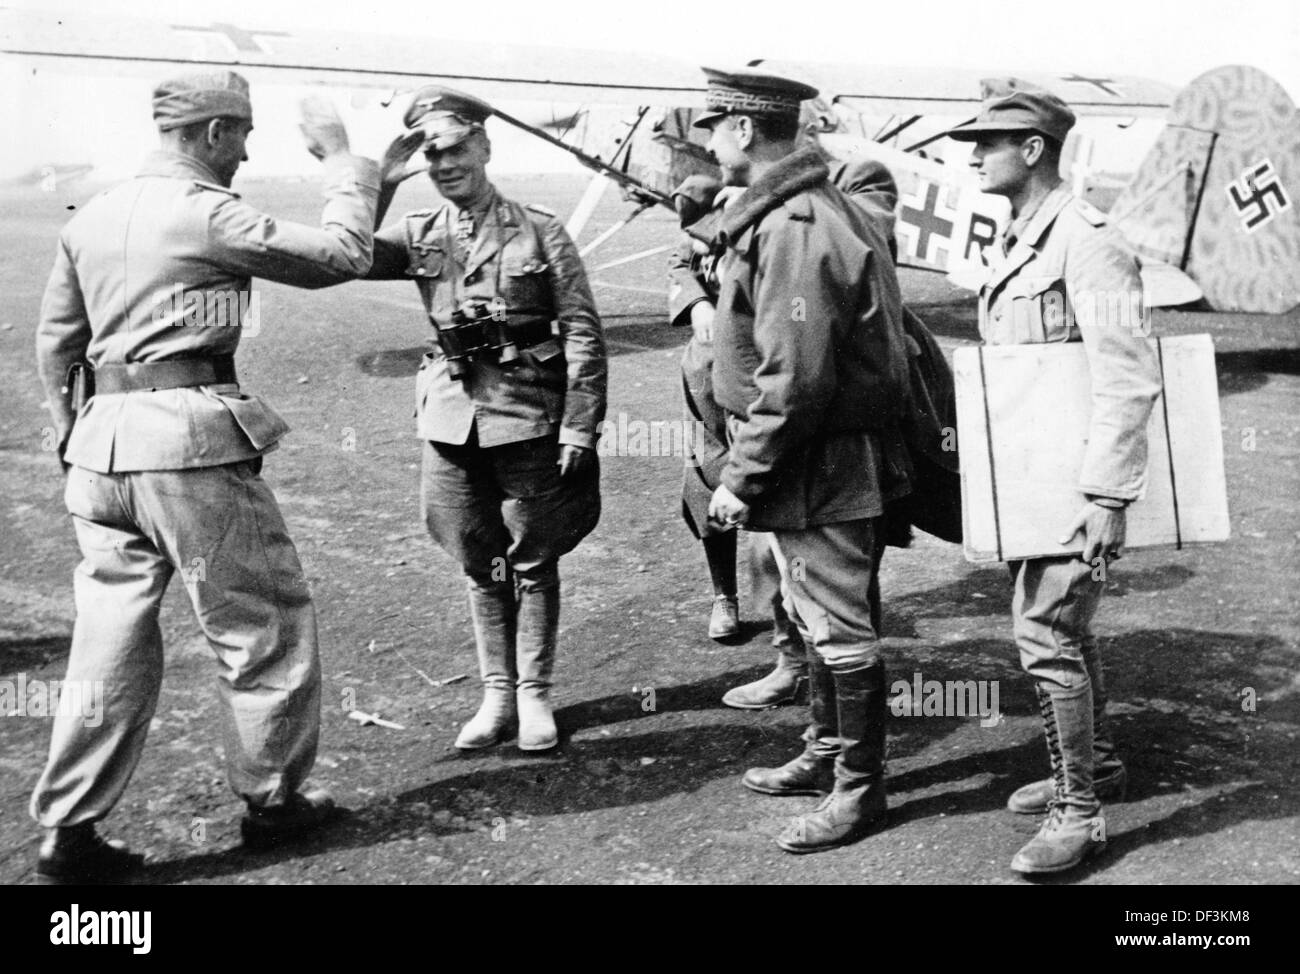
{"x":418,"y":214}
{"x":220,"y":189}
{"x":1089,"y":212}
{"x":538,"y":208}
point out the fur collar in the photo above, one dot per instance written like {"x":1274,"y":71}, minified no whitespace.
{"x":799,"y":171}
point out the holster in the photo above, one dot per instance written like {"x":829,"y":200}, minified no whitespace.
{"x":79,"y":385}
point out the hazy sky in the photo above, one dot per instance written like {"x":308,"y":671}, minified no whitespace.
{"x":1164,"y":41}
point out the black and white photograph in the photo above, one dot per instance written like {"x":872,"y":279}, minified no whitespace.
{"x":663,"y":444}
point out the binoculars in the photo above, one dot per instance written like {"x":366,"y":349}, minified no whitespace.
{"x":478,"y":329}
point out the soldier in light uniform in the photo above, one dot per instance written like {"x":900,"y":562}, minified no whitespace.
{"x":510,"y":480}
{"x":811,"y":366}
{"x":1063,"y":275}
{"x":164,"y":461}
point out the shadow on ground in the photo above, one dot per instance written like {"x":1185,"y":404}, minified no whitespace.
{"x":1176,"y":737}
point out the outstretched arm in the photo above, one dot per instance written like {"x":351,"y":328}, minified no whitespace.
{"x":251,"y":243}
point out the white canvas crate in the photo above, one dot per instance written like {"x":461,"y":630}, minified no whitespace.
{"x":1022,"y":418}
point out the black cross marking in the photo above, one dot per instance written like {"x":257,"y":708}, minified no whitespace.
{"x":244,"y":40}
{"x":927,"y":221}
{"x":1101,"y":83}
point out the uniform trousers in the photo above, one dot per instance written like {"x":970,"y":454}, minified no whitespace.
{"x":506,"y":515}
{"x":1053,"y":605}
{"x":826,"y":573}
{"x":222,"y":529}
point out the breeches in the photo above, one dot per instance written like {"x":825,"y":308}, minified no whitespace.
{"x":827,"y":572}
{"x":1052,"y":608}
{"x":504,"y":510}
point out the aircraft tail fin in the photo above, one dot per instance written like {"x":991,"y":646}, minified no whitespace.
{"x":1216,"y":197}
{"x":1165,"y":286}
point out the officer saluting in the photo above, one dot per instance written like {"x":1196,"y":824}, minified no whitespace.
{"x":509,"y":403}
{"x":165,"y":458}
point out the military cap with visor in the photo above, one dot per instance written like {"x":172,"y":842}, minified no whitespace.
{"x":1011,"y":105}
{"x":445,"y":116}
{"x":753,"y":93}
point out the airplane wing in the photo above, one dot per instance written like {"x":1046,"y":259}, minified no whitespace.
{"x":501,"y":71}
{"x":117,"y":45}
{"x":880,"y":90}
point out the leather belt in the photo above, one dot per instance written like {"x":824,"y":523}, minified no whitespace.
{"x":529,"y":333}
{"x":174,"y":373}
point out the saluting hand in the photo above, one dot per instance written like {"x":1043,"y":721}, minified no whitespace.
{"x":322,"y":127}
{"x":574,"y":460}
{"x":392,"y":167}
{"x":1103,"y":528}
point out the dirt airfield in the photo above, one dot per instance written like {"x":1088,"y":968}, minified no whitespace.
{"x":645,"y":787}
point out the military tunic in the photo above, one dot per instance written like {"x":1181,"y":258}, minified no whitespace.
{"x":691,"y":279}
{"x":523,"y":258}
{"x":810,"y":362}
{"x":491,"y":489}
{"x":1068,"y":276}
{"x":158,"y":269}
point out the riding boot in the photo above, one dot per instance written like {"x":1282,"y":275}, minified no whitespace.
{"x":492,"y":609}
{"x":856,"y":805}
{"x":813,"y":771}
{"x":539,"y":624}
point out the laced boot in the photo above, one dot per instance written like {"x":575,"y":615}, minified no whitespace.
{"x":813,"y":771}
{"x":1074,"y":828}
{"x":856,"y":805}
{"x":492,"y":608}
{"x":539,"y":622}
{"x":1109,"y":776}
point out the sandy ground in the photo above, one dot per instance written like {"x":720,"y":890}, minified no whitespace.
{"x":641,"y":794}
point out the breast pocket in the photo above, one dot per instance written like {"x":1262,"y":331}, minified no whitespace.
{"x":1039,"y":310}
{"x":426,"y":263}
{"x":549,"y":367}
{"x":527,"y":285}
